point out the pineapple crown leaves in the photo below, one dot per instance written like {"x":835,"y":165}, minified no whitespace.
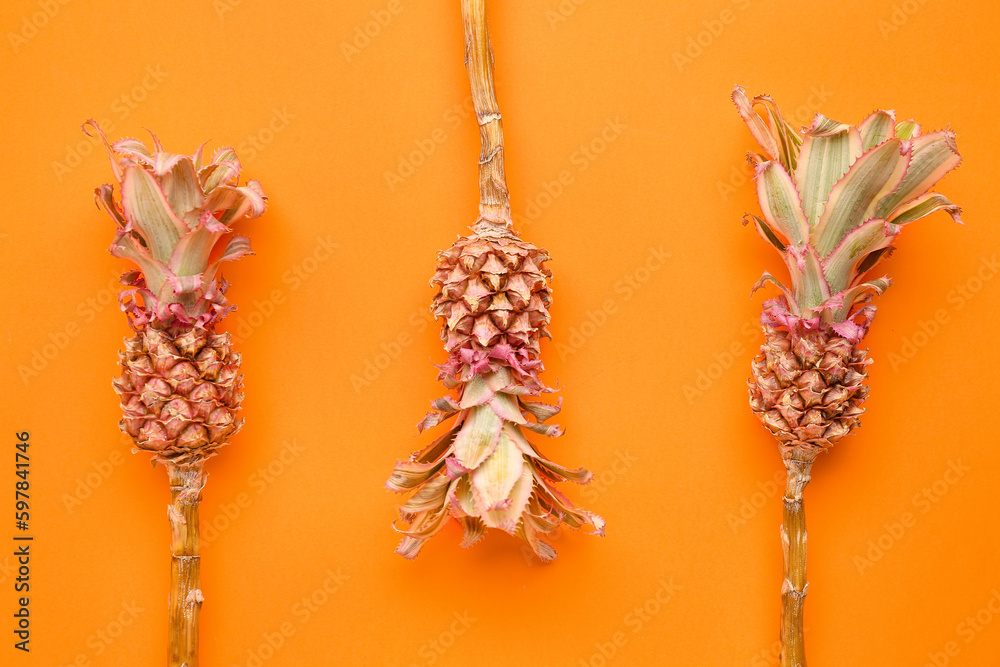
{"x":833,"y":198}
{"x":174,"y":217}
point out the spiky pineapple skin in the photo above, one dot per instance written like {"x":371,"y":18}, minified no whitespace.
{"x":493,"y":297}
{"x":807,"y":388}
{"x":180,"y":393}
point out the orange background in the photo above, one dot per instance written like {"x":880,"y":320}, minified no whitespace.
{"x":655,"y":400}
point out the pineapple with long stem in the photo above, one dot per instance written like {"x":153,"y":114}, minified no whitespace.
{"x":180,"y":386}
{"x":833,"y":198}
{"x":493,"y":299}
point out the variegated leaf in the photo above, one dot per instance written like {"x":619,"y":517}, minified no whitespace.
{"x":854,"y":197}
{"x":877,"y":128}
{"x":780,"y":204}
{"x":933,"y":156}
{"x":907,"y":129}
{"x":924,"y":205}
{"x":851,"y":296}
{"x":191,"y":254}
{"x":828,"y":150}
{"x":813,"y":288}
{"x":478,"y":436}
{"x":840,"y":266}
{"x":148,"y":211}
{"x":180,"y":186}
{"x":766,"y":233}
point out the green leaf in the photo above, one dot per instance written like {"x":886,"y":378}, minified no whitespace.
{"x":924,"y":205}
{"x":148,"y":211}
{"x":813,"y":289}
{"x":934,"y":155}
{"x":852,"y":295}
{"x":778,"y":139}
{"x":181,"y":187}
{"x":125,"y":246}
{"x":852,"y":200}
{"x":780,"y":203}
{"x":907,"y":129}
{"x":767,"y":233}
{"x":191,"y":254}
{"x":827,"y":152}
{"x":478,"y":436}
{"x":840,"y":266}
{"x":877,"y":128}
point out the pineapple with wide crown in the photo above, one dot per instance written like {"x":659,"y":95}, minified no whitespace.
{"x":833,"y":200}
{"x":180,"y":386}
{"x":834,"y":197}
{"x":493,"y":298}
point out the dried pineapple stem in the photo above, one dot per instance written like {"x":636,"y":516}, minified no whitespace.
{"x":186,"y":482}
{"x":793,"y":546}
{"x":494,"y":200}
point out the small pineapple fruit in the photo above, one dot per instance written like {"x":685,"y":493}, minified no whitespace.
{"x":180,"y":386}
{"x":833,"y":198}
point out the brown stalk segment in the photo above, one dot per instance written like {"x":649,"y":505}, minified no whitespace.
{"x":186,"y":482}
{"x":494,"y":200}
{"x":793,"y":546}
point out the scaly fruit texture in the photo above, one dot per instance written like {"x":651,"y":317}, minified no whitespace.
{"x":493,"y":299}
{"x":180,"y":386}
{"x":833,"y":198}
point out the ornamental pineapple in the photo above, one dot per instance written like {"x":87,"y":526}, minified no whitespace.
{"x":180,"y":387}
{"x":833,"y":199}
{"x":493,"y":299}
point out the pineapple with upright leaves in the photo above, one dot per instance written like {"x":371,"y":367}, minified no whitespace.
{"x":833,"y":200}
{"x":834,"y":197}
{"x":180,"y":386}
